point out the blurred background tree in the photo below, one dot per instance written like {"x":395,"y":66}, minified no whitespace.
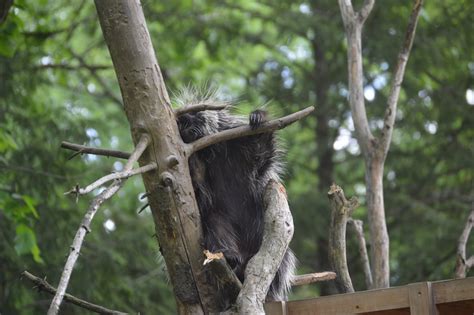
{"x":57,"y":83}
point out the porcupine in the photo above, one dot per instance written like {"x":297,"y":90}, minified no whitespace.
{"x":229,"y":180}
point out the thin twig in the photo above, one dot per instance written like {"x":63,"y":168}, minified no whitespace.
{"x":143,"y":208}
{"x":365,"y":10}
{"x":462,"y":264}
{"x":199,"y":108}
{"x":246,"y":130}
{"x":82,"y":149}
{"x":364,"y":257}
{"x":43,"y":285}
{"x":84,"y":228}
{"x":69,"y":67}
{"x":312,"y":277}
{"x":108,"y":178}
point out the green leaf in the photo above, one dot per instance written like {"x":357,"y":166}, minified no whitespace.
{"x":7,"y":142}
{"x":25,"y":242}
{"x":30,"y":202}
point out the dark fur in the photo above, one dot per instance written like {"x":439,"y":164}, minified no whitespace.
{"x":229,"y":181}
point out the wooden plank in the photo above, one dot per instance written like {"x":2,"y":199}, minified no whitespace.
{"x":352,"y":303}
{"x":421,"y":299}
{"x":398,"y":311}
{"x":458,"y":308}
{"x":453,"y":290}
{"x":275,"y":308}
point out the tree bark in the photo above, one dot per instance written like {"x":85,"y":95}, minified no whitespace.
{"x":377,"y":223}
{"x":341,"y":210}
{"x":463,"y":264}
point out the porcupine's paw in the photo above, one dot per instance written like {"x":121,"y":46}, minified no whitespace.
{"x":257,"y":118}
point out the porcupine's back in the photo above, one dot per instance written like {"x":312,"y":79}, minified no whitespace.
{"x":229,"y":181}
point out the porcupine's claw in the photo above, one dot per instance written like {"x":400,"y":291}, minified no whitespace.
{"x":257,"y":118}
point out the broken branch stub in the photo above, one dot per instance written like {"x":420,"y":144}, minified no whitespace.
{"x":341,"y":210}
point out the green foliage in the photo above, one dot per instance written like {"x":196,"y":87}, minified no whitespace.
{"x":57,"y":83}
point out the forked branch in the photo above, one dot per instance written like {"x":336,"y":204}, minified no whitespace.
{"x":119,"y":175}
{"x":43,"y":285}
{"x":84,"y":227}
{"x":244,"y":131}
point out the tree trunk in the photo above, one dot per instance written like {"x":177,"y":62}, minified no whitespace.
{"x":378,"y":229}
{"x":148,"y":110}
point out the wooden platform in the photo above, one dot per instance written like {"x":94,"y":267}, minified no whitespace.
{"x":450,"y":297}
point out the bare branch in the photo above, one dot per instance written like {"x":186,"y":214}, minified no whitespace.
{"x":82,"y":149}
{"x":69,"y":67}
{"x":463,"y":265}
{"x":356,"y":76}
{"x":365,"y":10}
{"x":313,"y":277}
{"x":246,"y":130}
{"x":390,"y":112}
{"x":108,"y":178}
{"x":364,"y":257}
{"x":341,"y":210}
{"x":278,"y":231}
{"x":43,"y":285}
{"x":347,"y":12}
{"x":84,"y":228}
{"x":194,"y":108}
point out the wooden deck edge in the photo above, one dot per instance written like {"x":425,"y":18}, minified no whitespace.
{"x":417,"y":296}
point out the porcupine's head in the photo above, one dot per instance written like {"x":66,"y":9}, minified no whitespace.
{"x":195,"y":125}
